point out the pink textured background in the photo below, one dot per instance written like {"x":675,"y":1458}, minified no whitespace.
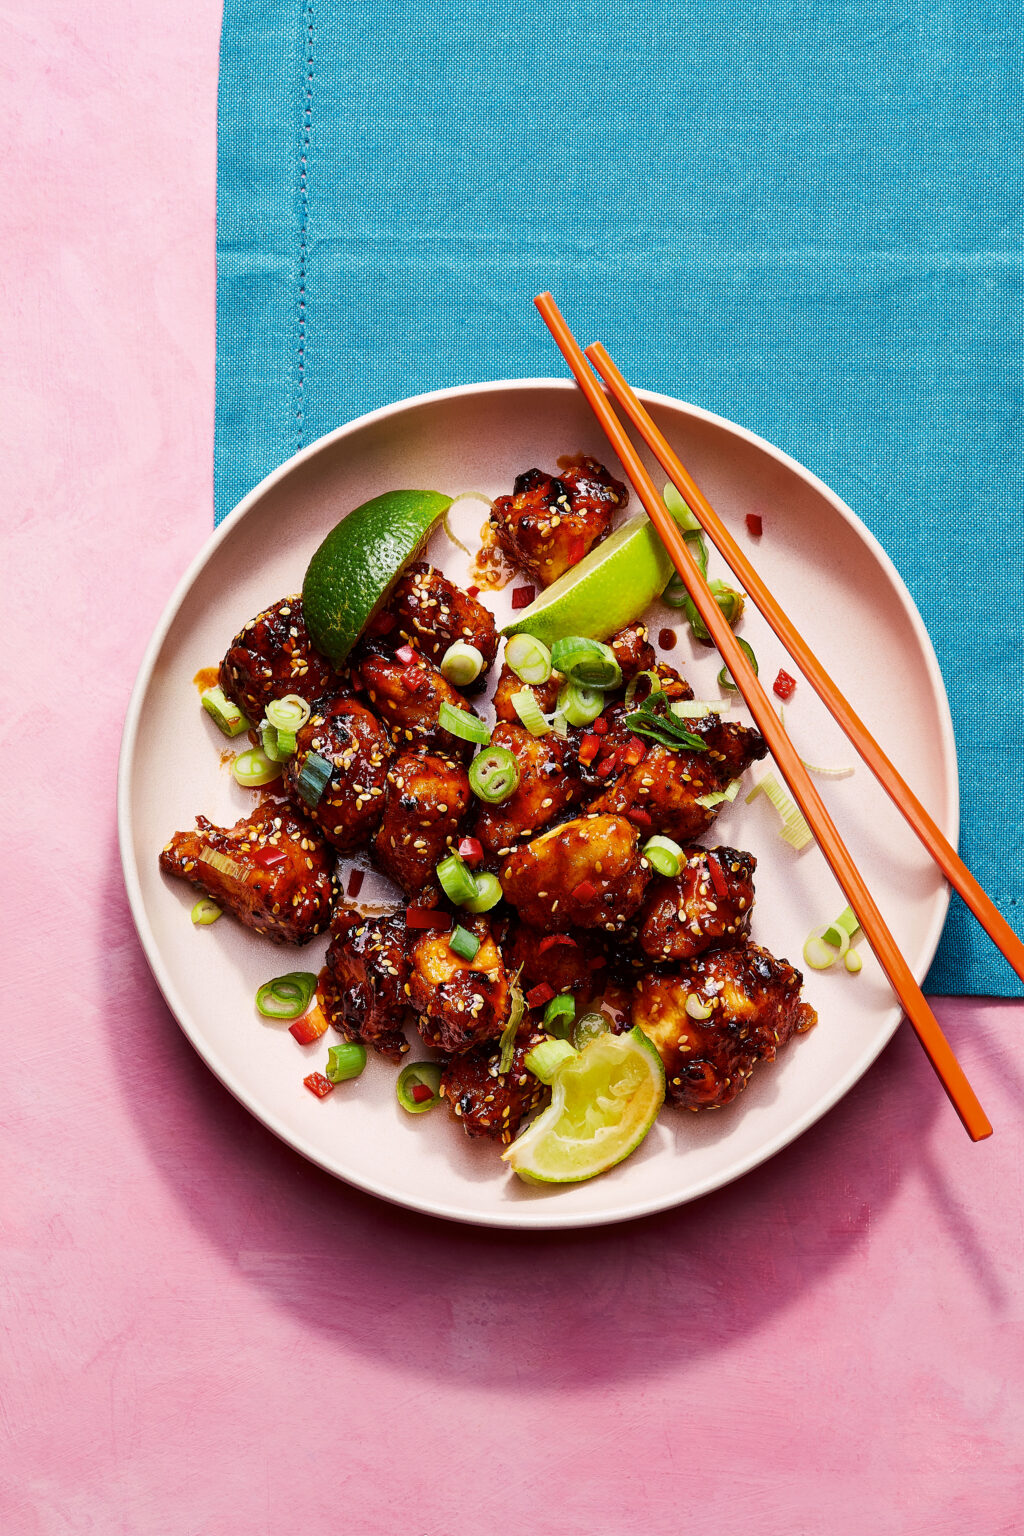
{"x":198,"y":1332}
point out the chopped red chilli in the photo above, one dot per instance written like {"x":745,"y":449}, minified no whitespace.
{"x":590,"y":746}
{"x":355,"y":882}
{"x":269,"y":857}
{"x":522,"y":597}
{"x":414,"y":680}
{"x":638,"y":817}
{"x":472,"y":591}
{"x":426,"y":917}
{"x":539,"y":995}
{"x":754,"y":524}
{"x":405,"y":654}
{"x":551,"y":939}
{"x":318,"y":1084}
{"x":471,"y":850}
{"x":600,"y":726}
{"x":784,"y":685}
{"x":310,"y":1026}
{"x":420,"y":1093}
{"x":584,"y":891}
{"x":717,"y":876}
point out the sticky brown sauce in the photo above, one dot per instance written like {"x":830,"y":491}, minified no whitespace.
{"x":206,"y":677}
{"x":492,"y":568}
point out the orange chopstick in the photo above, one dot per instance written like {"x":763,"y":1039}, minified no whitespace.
{"x":898,"y":790}
{"x":925,"y":1025}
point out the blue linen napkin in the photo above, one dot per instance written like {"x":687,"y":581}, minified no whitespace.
{"x":804,"y":218}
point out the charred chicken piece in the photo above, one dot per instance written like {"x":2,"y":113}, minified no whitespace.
{"x":509,"y":683}
{"x":355,"y":744}
{"x":546,"y":788}
{"x":588,"y":873}
{"x":272,"y":656}
{"x":555,"y":959}
{"x":361,"y":988}
{"x":706,"y":906}
{"x":272,"y":870}
{"x":409,"y":698}
{"x":460,"y":1002}
{"x":431,"y":613}
{"x":487,"y":1101}
{"x":427,"y":795}
{"x":550,"y":522}
{"x":755,"y":1008}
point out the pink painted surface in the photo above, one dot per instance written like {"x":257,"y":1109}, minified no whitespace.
{"x":198,"y":1332}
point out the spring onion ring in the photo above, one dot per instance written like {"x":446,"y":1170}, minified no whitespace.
{"x":288,"y":714}
{"x":345,"y":1061}
{"x":488,"y":893}
{"x":463,"y":943}
{"x":590,"y":662}
{"x":530,"y":713}
{"x":559,"y":1014}
{"x":227,"y":716}
{"x":725,"y":676}
{"x":546,"y":1057}
{"x":462,"y":724}
{"x":412,"y":1080}
{"x":494,"y":775}
{"x":205,"y":912}
{"x":795,"y":830}
{"x":579,"y":704}
{"x":286,"y":997}
{"x":461,"y":664}
{"x":457,"y":882}
{"x":253,"y":768}
{"x":529,"y":659}
{"x":314,"y":778}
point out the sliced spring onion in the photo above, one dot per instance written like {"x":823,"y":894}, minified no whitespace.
{"x":852,"y":961}
{"x":288,"y":714}
{"x":663,"y":855}
{"x":559,"y":1014}
{"x":205,"y":912}
{"x":462,"y":724}
{"x":633,"y":686}
{"x":653,"y":719}
{"x":223,"y":865}
{"x":345,"y":1061}
{"x":286,"y":997}
{"x":697,"y":1008}
{"x":828,"y":773}
{"x":586,"y":661}
{"x":680,"y":511}
{"x":314,"y":778}
{"x":488,"y":893}
{"x":274,"y":743}
{"x":530,"y":713}
{"x":725,"y":676}
{"x":580,"y":704}
{"x":461,"y":664}
{"x":720,"y":796}
{"x":515,"y":1018}
{"x":846,"y":924}
{"x":795,"y":830}
{"x":463,"y":943}
{"x":546,"y":1057}
{"x":253,"y":768}
{"x":419,"y":1087}
{"x":559,"y":724}
{"x":227,"y":716}
{"x":458,"y":884}
{"x":698,"y":709}
{"x":588,"y":1027}
{"x":494,"y":775}
{"x":529,"y":659}
{"x":817,"y":954}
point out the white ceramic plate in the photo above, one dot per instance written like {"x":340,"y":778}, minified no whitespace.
{"x":828,"y":572}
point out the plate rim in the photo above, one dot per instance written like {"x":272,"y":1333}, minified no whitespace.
{"x":521,"y":1217}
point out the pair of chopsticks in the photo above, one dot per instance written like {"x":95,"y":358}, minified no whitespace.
{"x":837,"y":855}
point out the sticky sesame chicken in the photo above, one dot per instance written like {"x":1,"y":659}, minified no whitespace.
{"x":587,"y":873}
{"x":460,"y":1002}
{"x":558,"y":960}
{"x":547,"y":787}
{"x":550,"y":522}
{"x":426,"y":798}
{"x":432,"y":613}
{"x":509,"y":683}
{"x":633,"y":651}
{"x":273,"y":656}
{"x":408,"y":698}
{"x":755,"y":1008}
{"x":707,"y":905}
{"x":355,"y":744}
{"x":272,"y":870}
{"x":487,"y":1101}
{"x":361,"y":988}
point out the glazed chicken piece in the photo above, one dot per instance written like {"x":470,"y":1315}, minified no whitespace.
{"x":546,"y":694}
{"x":272,"y":656}
{"x":550,"y":522}
{"x":272,"y":870}
{"x":361,"y":988}
{"x":460,"y":1002}
{"x":587,"y":873}
{"x":431,"y":613}
{"x":355,"y":744}
{"x":756,"y":1007}
{"x":487,"y":1101}
{"x":408,"y":699}
{"x":427,"y":795}
{"x":633,"y":651}
{"x":557,"y":960}
{"x":706,"y":906}
{"x":546,"y":788}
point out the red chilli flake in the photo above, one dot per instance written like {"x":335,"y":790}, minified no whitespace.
{"x":405,"y":654}
{"x":414,"y":680}
{"x":522,"y":597}
{"x":590,"y":746}
{"x":638,"y":817}
{"x":270,"y":857}
{"x":471,"y":851}
{"x":600,"y":726}
{"x":472,"y":591}
{"x":551,"y":939}
{"x":717,"y":876}
{"x":667,"y":639}
{"x":318,"y":1084}
{"x":426,"y":917}
{"x":355,"y":882}
{"x":606,"y":764}
{"x":784,"y":685}
{"x":634,"y":752}
{"x":585,"y":891}
{"x":310,"y":1027}
{"x":420,"y":1093}
{"x":539,"y":995}
{"x":754,"y":524}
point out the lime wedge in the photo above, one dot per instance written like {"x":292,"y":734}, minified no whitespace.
{"x":356,"y":566}
{"x":603,"y":1103}
{"x":608,"y":589}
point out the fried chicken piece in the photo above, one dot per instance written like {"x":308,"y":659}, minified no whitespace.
{"x":487,"y":1101}
{"x":633,"y":651}
{"x":355,"y":744}
{"x":550,"y":522}
{"x":756,"y":1008}
{"x":460,"y":1002}
{"x":409,"y":698}
{"x":272,"y":656}
{"x":587,"y":873}
{"x":564,"y":965}
{"x":509,"y":683}
{"x":431,"y":613}
{"x":361,"y":988}
{"x":706,"y":906}
{"x":272,"y":870}
{"x":427,"y":795}
{"x":546,"y":788}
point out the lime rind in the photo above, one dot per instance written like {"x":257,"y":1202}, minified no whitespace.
{"x":603,"y":1103}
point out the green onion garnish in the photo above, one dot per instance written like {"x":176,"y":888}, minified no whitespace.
{"x":223,"y":864}
{"x":530,"y":713}
{"x":254,"y":768}
{"x":288,"y":714}
{"x":633,"y":687}
{"x":529,"y":659}
{"x":559,"y":1014}
{"x":463,"y":943}
{"x":227,"y":716}
{"x":795,"y":830}
{"x":494,"y":775}
{"x":846,"y":923}
{"x":673,"y":500}
{"x":345,"y":1061}
{"x":462,"y":724}
{"x":515,"y":1018}
{"x":852,"y":961}
{"x":488,"y":893}
{"x":699,"y":709}
{"x":580,"y":704}
{"x":457,"y":881}
{"x":461,"y":664}
{"x":720,"y":796}
{"x":590,"y":662}
{"x":655,"y":720}
{"x":697,"y":1008}
{"x":831,"y":942}
{"x":273,"y":743}
{"x":545,"y":1058}
{"x":725,"y":676}
{"x":205,"y":912}
{"x":418,"y":1087}
{"x":314,"y":778}
{"x":286,"y":997}
{"x":663,"y":855}
{"x":588,"y":1027}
